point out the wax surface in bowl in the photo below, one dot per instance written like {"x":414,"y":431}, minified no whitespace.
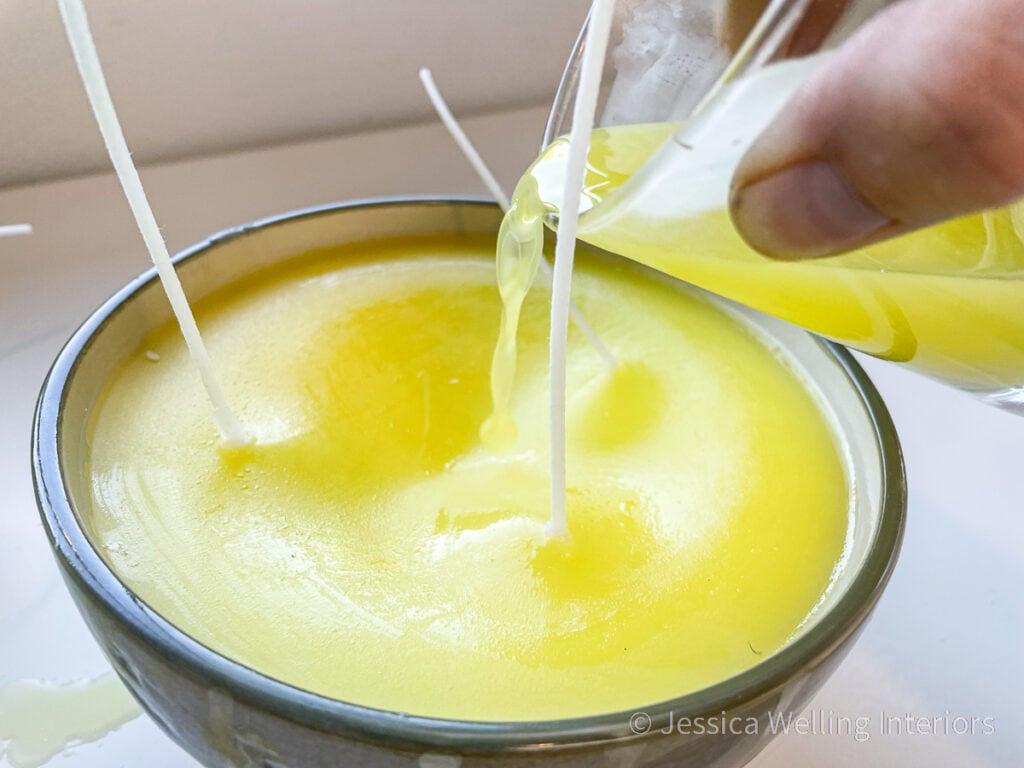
{"x":368,"y":548}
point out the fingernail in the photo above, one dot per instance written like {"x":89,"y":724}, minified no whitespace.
{"x":804,"y":211}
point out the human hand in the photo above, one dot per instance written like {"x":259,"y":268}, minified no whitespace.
{"x":918,"y":117}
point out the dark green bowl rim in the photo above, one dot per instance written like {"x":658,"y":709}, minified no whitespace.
{"x":83,"y":563}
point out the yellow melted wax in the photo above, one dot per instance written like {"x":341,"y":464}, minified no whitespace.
{"x":369,"y":548}
{"x":40,"y":720}
{"x":946,"y":299}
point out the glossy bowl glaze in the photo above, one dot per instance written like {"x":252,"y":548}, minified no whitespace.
{"x":226,"y":714}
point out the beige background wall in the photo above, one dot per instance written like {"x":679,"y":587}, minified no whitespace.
{"x":195,"y":77}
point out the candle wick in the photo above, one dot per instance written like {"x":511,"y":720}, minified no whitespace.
{"x":76,"y":25}
{"x":461,"y":139}
{"x":598,"y":32}
{"x":471,"y":154}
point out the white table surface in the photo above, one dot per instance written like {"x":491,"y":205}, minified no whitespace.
{"x":945,"y":638}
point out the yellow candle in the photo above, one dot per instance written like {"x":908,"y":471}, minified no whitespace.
{"x":368,"y":547}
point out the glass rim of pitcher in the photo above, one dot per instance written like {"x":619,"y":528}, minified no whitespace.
{"x":774,"y":24}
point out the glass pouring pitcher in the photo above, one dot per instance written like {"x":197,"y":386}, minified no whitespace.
{"x":687,"y":87}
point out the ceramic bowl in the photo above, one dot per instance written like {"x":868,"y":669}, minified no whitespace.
{"x":226,"y":714}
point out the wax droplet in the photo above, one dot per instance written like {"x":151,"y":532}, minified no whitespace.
{"x":39,"y":720}
{"x":499,"y":432}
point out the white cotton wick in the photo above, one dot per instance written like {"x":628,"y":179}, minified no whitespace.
{"x":76,"y":25}
{"x":598,"y":32}
{"x":461,"y":139}
{"x":487,"y":177}
{"x":13,"y":230}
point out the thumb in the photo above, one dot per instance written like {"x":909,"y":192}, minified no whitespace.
{"x":917,"y":118}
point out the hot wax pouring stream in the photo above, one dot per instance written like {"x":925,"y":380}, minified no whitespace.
{"x":76,"y":25}
{"x":487,"y":177}
{"x":519,"y":255}
{"x":520,"y":247}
